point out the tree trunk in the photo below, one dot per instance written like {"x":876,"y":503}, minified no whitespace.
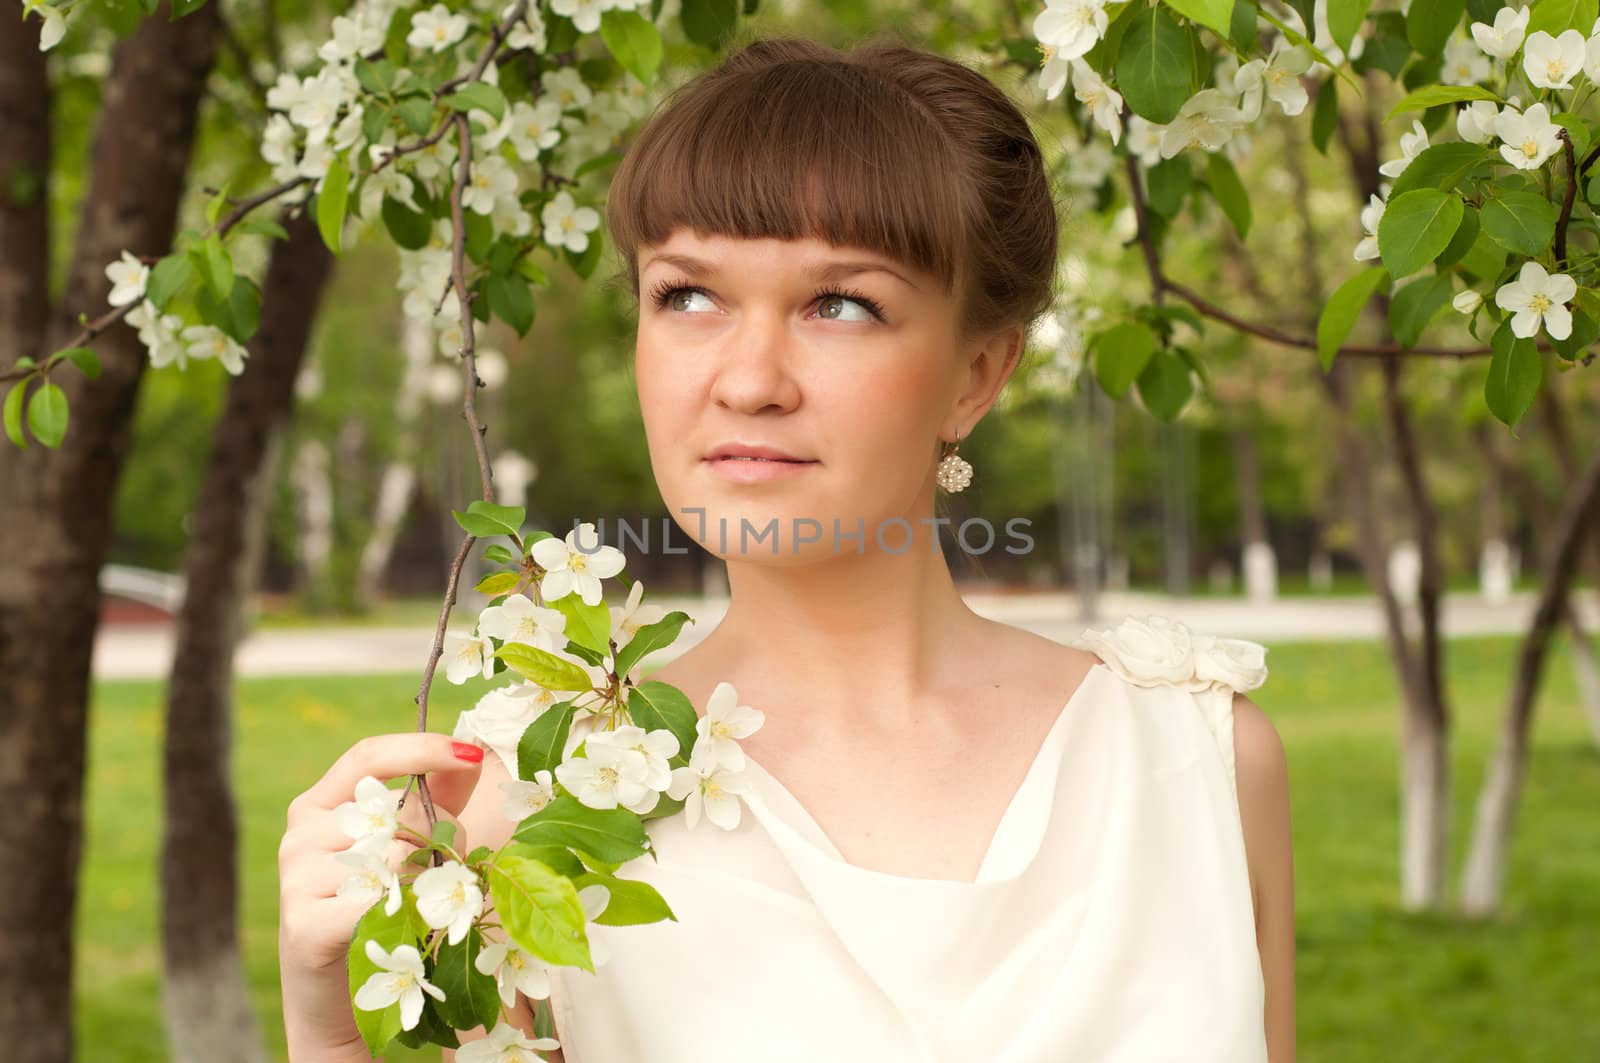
{"x":1483,"y":877}
{"x":56,"y":506}
{"x":205,"y":993}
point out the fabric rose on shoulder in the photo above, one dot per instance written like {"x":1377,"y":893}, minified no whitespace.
{"x":1155,"y":650}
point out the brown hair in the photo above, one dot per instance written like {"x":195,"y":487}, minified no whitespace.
{"x":885,"y":147}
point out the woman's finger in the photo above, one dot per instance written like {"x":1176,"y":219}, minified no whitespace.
{"x":390,"y":756}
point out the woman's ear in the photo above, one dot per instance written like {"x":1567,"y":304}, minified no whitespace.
{"x":991,"y":363}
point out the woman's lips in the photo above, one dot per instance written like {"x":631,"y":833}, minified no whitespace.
{"x":757,"y":470}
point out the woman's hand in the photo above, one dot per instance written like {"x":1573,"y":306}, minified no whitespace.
{"x":314,"y":924}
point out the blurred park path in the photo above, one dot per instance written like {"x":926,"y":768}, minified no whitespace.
{"x":144,"y":651}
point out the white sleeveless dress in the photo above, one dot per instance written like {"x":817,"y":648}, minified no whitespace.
{"x":1111,"y":919}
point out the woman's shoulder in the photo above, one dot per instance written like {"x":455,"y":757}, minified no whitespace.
{"x":1152,"y":650}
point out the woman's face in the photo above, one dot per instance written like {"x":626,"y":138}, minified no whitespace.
{"x":740,"y":346}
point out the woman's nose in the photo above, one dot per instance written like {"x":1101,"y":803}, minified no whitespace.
{"x":756,"y":368}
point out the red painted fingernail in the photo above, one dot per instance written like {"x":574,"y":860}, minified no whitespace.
{"x":466,"y":751}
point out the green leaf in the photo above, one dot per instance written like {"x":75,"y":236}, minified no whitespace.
{"x":558,"y":858}
{"x":1216,"y":15}
{"x":543,"y":667}
{"x":1585,"y":330}
{"x":612,"y":834}
{"x":1325,"y":115}
{"x":1156,"y":68}
{"x":405,"y":927}
{"x":84,"y":358}
{"x":417,"y":113}
{"x":655,"y":706}
{"x":1417,"y":304}
{"x":411,"y":229}
{"x":1443,"y":166}
{"x":1577,"y":131}
{"x":1167,"y":184}
{"x":541,"y":745}
{"x":216,"y":266}
{"x":1415,"y":228}
{"x":378,"y":78}
{"x":631,"y":903}
{"x":511,"y":299}
{"x":498,"y":583}
{"x":496,"y":554}
{"x":648,"y":639}
{"x":540,"y":910}
{"x":1515,"y":371}
{"x":1523,"y":223}
{"x":47,"y":415}
{"x":587,"y":625}
{"x":261,"y":227}
{"x":1485,"y":258}
{"x":1557,"y":16}
{"x":443,"y":833}
{"x":332,"y":202}
{"x":11,"y":413}
{"x":470,"y":998}
{"x":1229,"y":192}
{"x":1429,"y":25}
{"x":1165,"y":385}
{"x":709,"y":23}
{"x":634,"y":41}
{"x":479,"y":96}
{"x":166,"y":278}
{"x":1344,"y":21}
{"x":1120,"y":355}
{"x":1435,"y":95}
{"x":1343,"y":309}
{"x":1462,"y":241}
{"x":485,"y":519}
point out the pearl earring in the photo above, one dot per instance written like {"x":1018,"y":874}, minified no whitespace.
{"x":954,"y":473}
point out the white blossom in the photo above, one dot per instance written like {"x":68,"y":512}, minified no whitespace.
{"x":1100,"y":100}
{"x":708,"y":785}
{"x":208,"y":341}
{"x":1529,"y":138}
{"x":1071,"y":26}
{"x":1412,"y":144}
{"x":568,"y":225}
{"x":1502,"y":39}
{"x":724,"y":722}
{"x":1475,"y":121}
{"x":627,"y":620}
{"x":523,"y":799}
{"x":436,"y":29}
{"x":467,"y":655}
{"x":1207,"y":120}
{"x":514,"y":971}
{"x":1537,"y":298}
{"x":1467,"y":301}
{"x":585,"y":14}
{"x":373,"y":879}
{"x":1371,"y":215}
{"x":491,"y":179}
{"x":1054,"y":72}
{"x":372,"y":819}
{"x":657,"y":748}
{"x":54,"y":28}
{"x":534,"y":127}
{"x":162,"y":335}
{"x":527,"y":33}
{"x":505,"y":1044}
{"x":128,"y":277}
{"x":570,"y":567}
{"x":1278,"y":76}
{"x":607,"y":776}
{"x":1464,"y":63}
{"x":565,"y":87}
{"x":1552,"y":62}
{"x":517,"y":619}
{"x":401,"y":978}
{"x":449,"y":897}
{"x":1144,"y":140}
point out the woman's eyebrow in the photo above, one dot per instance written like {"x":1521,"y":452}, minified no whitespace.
{"x":825,"y":272}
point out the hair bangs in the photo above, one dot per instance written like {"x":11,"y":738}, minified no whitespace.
{"x":792,"y":150}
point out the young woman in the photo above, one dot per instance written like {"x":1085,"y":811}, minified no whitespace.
{"x":961,"y":841}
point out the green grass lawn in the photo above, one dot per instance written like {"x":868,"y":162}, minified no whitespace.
{"x":1374,"y":982}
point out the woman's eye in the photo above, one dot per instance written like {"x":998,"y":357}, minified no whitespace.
{"x":677,"y":299}
{"x":831,"y":307}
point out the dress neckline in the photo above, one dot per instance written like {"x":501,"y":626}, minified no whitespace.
{"x":818,"y":838}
